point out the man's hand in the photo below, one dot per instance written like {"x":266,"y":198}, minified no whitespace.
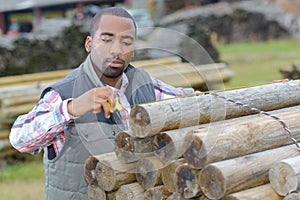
{"x":93,"y":101}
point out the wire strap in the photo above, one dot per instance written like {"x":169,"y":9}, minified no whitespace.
{"x":285,"y":126}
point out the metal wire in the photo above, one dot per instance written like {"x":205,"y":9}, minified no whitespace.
{"x":285,"y":126}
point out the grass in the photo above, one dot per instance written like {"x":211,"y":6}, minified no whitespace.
{"x":27,"y":171}
{"x":259,"y":63}
{"x":252,"y":63}
{"x":22,"y":181}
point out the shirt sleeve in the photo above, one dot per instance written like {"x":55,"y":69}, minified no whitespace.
{"x":165,"y":91}
{"x":43,"y":125}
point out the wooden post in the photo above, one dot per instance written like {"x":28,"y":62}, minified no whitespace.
{"x":111,"y":173}
{"x":152,"y":118}
{"x":169,"y":145}
{"x":187,"y":182}
{"x":168,"y":174}
{"x":130,"y":191}
{"x":148,"y":172}
{"x":90,"y":166}
{"x":221,"y":178}
{"x":129,"y":149}
{"x":95,"y":193}
{"x":284,"y":175}
{"x":240,"y":137}
{"x":263,"y":192}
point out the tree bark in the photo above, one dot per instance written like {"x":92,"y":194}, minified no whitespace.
{"x":264,"y":192}
{"x":187,"y":181}
{"x":111,"y":173}
{"x":284,"y":176}
{"x":168,"y":174}
{"x":129,"y":149}
{"x":221,"y":178}
{"x":152,"y":118}
{"x":239,"y":137}
{"x":148,"y":172}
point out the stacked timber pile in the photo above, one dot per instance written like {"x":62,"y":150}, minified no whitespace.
{"x":205,"y":147}
{"x":20,"y":93}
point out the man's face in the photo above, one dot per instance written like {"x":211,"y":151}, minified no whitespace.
{"x":112,"y":45}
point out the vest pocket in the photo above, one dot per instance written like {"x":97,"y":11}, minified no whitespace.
{"x":97,"y":131}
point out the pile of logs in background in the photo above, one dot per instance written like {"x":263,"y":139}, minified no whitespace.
{"x":205,"y":147}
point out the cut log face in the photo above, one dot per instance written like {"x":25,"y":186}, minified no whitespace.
{"x":112,"y":174}
{"x":170,"y":145}
{"x":168,"y":174}
{"x":186,"y":181}
{"x":148,"y":172}
{"x":89,"y":170}
{"x":95,"y":193}
{"x":156,"y":193}
{"x":90,"y":166}
{"x":284,"y":176}
{"x":132,"y":191}
{"x":129,"y":149}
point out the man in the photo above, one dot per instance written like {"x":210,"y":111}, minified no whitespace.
{"x":73,"y":118}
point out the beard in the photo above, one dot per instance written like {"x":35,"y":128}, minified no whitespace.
{"x":110,"y":72}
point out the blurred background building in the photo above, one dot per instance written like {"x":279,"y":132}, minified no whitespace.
{"x":22,"y":16}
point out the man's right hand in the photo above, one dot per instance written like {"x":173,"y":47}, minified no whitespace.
{"x":93,"y":101}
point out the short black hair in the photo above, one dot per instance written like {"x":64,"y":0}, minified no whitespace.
{"x":116,"y":11}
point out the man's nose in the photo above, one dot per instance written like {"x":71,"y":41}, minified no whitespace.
{"x":116,"y":48}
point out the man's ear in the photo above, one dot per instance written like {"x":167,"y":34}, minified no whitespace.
{"x":88,"y":44}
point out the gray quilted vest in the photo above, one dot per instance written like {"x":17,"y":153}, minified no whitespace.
{"x":89,"y":135}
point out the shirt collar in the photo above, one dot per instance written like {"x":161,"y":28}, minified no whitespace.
{"x":124,"y":83}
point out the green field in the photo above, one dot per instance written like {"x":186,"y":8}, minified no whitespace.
{"x":252,"y":63}
{"x":259,"y":63}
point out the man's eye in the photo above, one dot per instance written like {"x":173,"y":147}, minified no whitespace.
{"x":106,"y":40}
{"x":127,"y":43}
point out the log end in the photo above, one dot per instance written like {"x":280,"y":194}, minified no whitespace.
{"x":195,"y":154}
{"x":153,"y":194}
{"x":89,"y":170}
{"x":139,"y":122}
{"x":124,"y":149}
{"x":95,"y":193}
{"x":105,"y":176}
{"x":283,"y":178}
{"x":186,"y":182}
{"x":212,"y":182}
{"x":148,"y":172}
{"x":164,"y":147}
{"x":130,"y":191}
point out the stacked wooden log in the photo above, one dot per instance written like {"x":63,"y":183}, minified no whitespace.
{"x":206,"y":147}
{"x":19,"y":94}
